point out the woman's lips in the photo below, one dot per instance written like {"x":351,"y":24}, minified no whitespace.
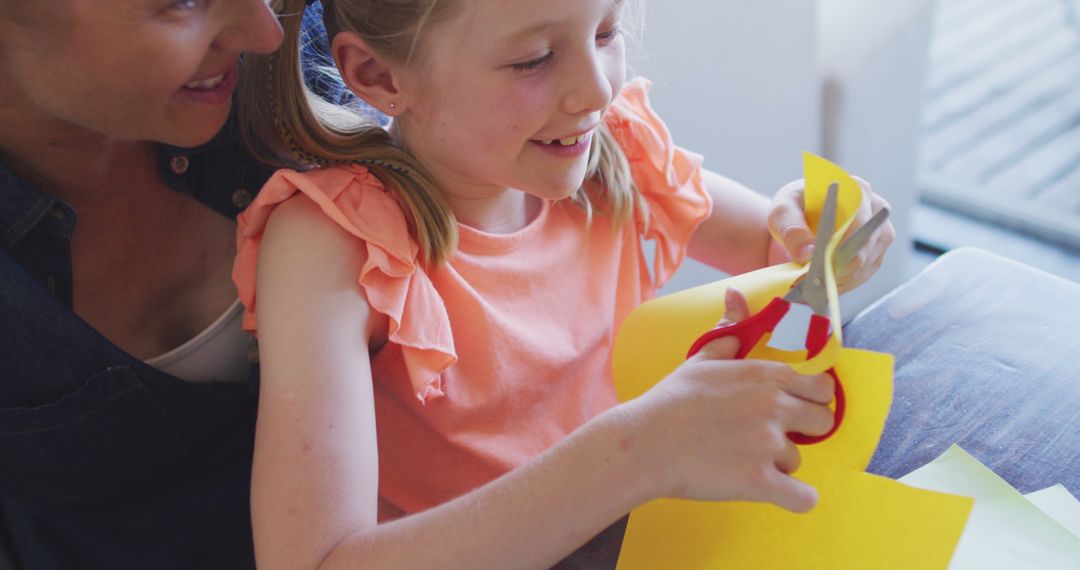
{"x":212,"y":90}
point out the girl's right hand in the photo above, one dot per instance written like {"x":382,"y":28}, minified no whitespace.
{"x":716,"y":428}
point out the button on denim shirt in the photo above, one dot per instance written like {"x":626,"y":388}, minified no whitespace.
{"x":106,"y":462}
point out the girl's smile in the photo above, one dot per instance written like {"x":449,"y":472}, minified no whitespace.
{"x":571,"y":146}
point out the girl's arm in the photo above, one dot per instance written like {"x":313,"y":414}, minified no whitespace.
{"x":747,"y":231}
{"x":735,"y":238}
{"x":714,"y":429}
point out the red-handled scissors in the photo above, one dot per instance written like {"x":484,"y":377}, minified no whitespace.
{"x":811,"y":291}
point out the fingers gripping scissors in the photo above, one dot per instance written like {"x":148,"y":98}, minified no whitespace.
{"x":812,"y":290}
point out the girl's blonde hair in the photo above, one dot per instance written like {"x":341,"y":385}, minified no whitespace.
{"x":285,"y":124}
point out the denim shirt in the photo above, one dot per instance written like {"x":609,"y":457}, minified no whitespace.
{"x":106,"y":462}
{"x":36,"y":228}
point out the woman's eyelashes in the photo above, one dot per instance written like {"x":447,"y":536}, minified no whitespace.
{"x":602,"y":38}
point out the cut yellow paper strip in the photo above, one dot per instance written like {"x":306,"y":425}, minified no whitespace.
{"x":862,"y":521}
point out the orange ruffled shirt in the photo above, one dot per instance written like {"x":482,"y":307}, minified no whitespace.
{"x":504,"y":350}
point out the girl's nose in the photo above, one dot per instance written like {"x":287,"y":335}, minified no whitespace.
{"x":251,"y":26}
{"x":590,"y":88}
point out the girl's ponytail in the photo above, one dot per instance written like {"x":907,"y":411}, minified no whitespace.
{"x":285,"y":124}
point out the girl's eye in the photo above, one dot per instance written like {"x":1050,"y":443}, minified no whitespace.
{"x":533,"y":63}
{"x":608,"y":36}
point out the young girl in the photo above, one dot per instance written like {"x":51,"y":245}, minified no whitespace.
{"x":436,"y":303}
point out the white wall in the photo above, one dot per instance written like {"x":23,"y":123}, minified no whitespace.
{"x":750,"y":84}
{"x":736,"y":81}
{"x":873,"y":58}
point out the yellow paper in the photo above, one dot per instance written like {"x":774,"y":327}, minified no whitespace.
{"x":851,"y":530}
{"x":862,"y":521}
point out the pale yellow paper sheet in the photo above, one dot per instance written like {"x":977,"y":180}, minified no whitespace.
{"x":862,"y":521}
{"x":1059,"y":504}
{"x":1006,"y":531}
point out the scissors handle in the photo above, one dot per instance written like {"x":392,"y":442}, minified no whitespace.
{"x":817,"y":336}
{"x":838,"y":415}
{"x":749,"y":332}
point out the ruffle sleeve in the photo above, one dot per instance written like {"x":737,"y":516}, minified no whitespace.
{"x":395,"y":285}
{"x":668,"y":177}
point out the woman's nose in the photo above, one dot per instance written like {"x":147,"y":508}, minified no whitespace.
{"x":252,"y":27}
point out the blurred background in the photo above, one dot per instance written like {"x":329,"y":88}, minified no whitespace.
{"x":963,"y":114}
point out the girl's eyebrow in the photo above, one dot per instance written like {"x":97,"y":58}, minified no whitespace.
{"x":539,"y":27}
{"x":528,"y":31}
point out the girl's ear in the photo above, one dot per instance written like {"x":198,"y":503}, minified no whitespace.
{"x":367,"y":74}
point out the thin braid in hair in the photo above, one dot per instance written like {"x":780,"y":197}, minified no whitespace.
{"x":306,"y":157}
{"x":285,"y":134}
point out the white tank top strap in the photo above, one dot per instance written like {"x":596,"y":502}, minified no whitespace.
{"x":218,"y":353}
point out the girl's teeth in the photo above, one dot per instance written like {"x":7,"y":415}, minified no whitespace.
{"x":568,"y":141}
{"x":205,"y":84}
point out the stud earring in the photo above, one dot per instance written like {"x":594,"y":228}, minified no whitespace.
{"x":393,"y":106}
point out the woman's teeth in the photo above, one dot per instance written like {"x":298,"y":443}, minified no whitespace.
{"x":568,"y":141}
{"x":205,"y":84}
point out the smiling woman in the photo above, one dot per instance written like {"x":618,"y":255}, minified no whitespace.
{"x":159,"y":70}
{"x":126,"y":420}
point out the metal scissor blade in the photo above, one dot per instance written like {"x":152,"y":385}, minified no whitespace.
{"x":847,"y":250}
{"x":811,"y":290}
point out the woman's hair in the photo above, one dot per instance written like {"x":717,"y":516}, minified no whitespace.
{"x":285,"y":124}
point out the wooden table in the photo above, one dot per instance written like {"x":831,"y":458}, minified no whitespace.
{"x":987,"y":356}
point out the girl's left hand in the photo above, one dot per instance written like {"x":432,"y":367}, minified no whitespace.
{"x":788,"y":227}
